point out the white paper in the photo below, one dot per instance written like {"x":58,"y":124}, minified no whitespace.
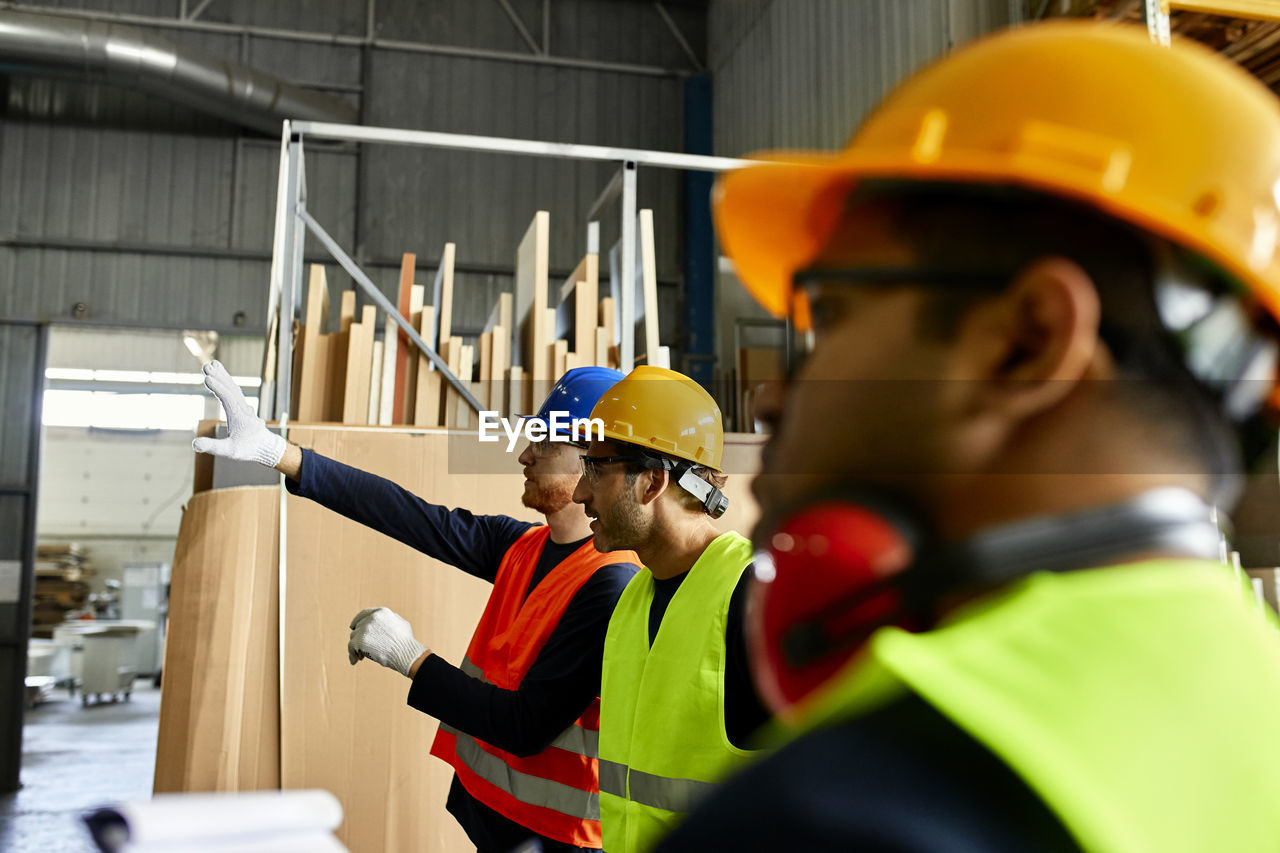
{"x":150,"y":599}
{"x":171,"y":818}
{"x":289,"y":842}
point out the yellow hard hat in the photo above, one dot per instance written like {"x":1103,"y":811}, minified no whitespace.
{"x":1178,"y":141}
{"x":665,"y":411}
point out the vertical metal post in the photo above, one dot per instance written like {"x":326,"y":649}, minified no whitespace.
{"x":297,"y":267}
{"x":627,"y":312}
{"x":267,"y":402}
{"x":1156,"y":14}
{"x":699,"y":255}
{"x":287,"y":227}
{"x":15,"y":616}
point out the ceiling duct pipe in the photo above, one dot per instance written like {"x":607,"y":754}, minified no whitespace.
{"x":101,"y":51}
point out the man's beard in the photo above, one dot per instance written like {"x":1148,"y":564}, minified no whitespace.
{"x":549,"y":495}
{"x":624,"y":526}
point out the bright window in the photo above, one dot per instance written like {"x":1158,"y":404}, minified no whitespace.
{"x":112,"y":410}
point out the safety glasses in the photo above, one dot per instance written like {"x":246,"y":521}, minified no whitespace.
{"x":591,"y":465}
{"x":806,"y":281}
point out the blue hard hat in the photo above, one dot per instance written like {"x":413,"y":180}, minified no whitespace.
{"x":574,"y":395}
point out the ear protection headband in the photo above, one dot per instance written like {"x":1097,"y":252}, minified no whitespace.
{"x":842,"y":567}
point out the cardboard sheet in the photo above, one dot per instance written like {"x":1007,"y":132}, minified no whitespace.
{"x":219,"y":700}
{"x":347,"y":729}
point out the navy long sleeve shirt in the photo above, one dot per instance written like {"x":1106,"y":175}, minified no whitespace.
{"x":560,"y":683}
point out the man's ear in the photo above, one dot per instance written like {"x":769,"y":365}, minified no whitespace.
{"x":652,"y":482}
{"x":1041,"y":337}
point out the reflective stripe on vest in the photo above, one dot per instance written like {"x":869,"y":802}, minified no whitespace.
{"x":674,"y":795}
{"x":1134,"y":700}
{"x":529,"y":789}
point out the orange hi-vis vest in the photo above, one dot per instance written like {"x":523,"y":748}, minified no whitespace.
{"x":555,"y":793}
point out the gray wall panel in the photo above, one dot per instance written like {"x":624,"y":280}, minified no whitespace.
{"x":804,"y":73}
{"x":156,"y":216}
{"x":133,"y":289}
{"x":17,"y":376}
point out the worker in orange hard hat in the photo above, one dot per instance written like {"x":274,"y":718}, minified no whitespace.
{"x":1040,"y":289}
{"x":677,"y":705}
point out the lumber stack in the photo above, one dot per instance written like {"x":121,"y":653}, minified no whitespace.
{"x":368,"y":371}
{"x":61,"y":586}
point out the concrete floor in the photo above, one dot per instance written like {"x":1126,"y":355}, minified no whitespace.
{"x":74,"y":759}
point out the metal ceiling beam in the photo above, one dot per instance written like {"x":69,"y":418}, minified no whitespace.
{"x":679,"y":36}
{"x":354,"y":41}
{"x":199,"y":10}
{"x":519,"y":25}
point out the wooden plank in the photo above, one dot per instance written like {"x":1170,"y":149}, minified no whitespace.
{"x":529,"y":337}
{"x":451,"y":353}
{"x":386,"y":398}
{"x":500,"y":314}
{"x":339,"y":352}
{"x":580,"y":292}
{"x":486,"y":369}
{"x":466,"y":367}
{"x":407,"y":262}
{"x":559,"y":358}
{"x":609,"y":326}
{"x":355,"y":403}
{"x":500,"y":365}
{"x":602,"y":347}
{"x":648,"y":283}
{"x":311,"y":379}
{"x":442,"y":296}
{"x":375,"y":384}
{"x":516,"y":404}
{"x":412,"y":353}
{"x":426,"y":408}
{"x":295,"y":381}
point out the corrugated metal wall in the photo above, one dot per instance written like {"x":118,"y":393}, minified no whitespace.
{"x":22,"y":351}
{"x":803,"y":73}
{"x":147,"y":214}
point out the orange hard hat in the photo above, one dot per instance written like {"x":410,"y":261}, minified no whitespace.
{"x":664,"y":411}
{"x":1178,"y":141}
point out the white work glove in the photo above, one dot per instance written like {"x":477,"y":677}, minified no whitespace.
{"x":383,"y":636}
{"x":249,"y":439}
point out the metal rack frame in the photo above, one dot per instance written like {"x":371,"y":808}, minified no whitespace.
{"x":292,"y":221}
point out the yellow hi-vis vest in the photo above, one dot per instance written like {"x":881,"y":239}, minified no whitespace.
{"x":1137,"y":701}
{"x":663,"y":743}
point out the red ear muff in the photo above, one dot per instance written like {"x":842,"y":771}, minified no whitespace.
{"x":822,"y":585}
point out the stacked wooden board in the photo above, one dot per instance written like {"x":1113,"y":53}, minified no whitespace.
{"x":372,"y":372}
